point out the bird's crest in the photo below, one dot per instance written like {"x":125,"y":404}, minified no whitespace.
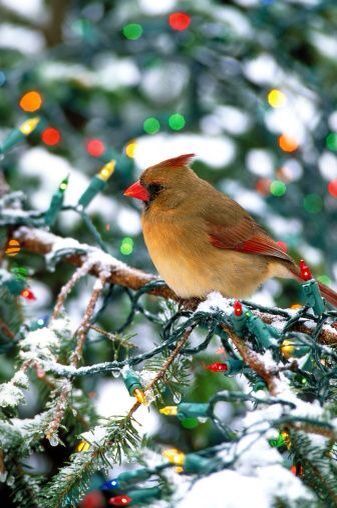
{"x":176,"y":162}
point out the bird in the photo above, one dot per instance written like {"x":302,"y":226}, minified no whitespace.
{"x":202,"y":241}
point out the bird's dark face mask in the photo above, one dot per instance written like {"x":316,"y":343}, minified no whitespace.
{"x":146,"y":194}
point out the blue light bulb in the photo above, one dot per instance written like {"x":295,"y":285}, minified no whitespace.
{"x":110,"y":484}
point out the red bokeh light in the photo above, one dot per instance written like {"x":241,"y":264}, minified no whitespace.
{"x":93,"y":499}
{"x":263,"y":186}
{"x":51,"y":136}
{"x":332,"y":188}
{"x":179,"y":21}
{"x":95,"y":147}
{"x":217,"y":367}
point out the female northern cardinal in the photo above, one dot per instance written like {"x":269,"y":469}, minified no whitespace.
{"x":201,"y":240}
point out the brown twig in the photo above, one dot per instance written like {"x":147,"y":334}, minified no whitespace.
{"x":6,"y":330}
{"x":82,"y":271}
{"x":85,"y":325}
{"x":161,"y":373}
{"x":66,"y":388}
{"x":253,"y":360}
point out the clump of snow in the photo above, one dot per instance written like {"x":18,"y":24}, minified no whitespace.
{"x":112,"y":73}
{"x":20,"y":379}
{"x":10,"y":395}
{"x":214,"y":151}
{"x":215,"y":302}
{"x":64,"y":243}
{"x":95,"y":435}
{"x":264,"y":70}
{"x":303,"y":409}
{"x":164,"y":84}
{"x":30,"y":9}
{"x":155,"y":8}
{"x":114,"y":400}
{"x":22,"y":39}
{"x":234,"y":490}
{"x":41,"y":343}
{"x":104,"y":260}
{"x":63,"y":327}
{"x":260,"y":162}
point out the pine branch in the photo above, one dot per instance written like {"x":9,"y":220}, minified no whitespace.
{"x":316,"y":467}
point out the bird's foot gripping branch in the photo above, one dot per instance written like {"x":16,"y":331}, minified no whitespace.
{"x":276,"y":369}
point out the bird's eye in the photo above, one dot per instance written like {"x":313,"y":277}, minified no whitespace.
{"x":154,"y":189}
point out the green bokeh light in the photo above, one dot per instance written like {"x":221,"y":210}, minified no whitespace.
{"x":132,"y":31}
{"x":313,"y":203}
{"x":278,"y":188}
{"x":331,"y":141}
{"x":177,"y":122}
{"x":189,"y":423}
{"x":324,"y":279}
{"x":126,"y":247}
{"x":151,"y":125}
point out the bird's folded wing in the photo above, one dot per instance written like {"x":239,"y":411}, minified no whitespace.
{"x":244,"y":236}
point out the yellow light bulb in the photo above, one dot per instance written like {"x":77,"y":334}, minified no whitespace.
{"x":287,"y":348}
{"x":140,"y":396}
{"x":29,"y":125}
{"x":276,"y":98}
{"x":130,"y":149}
{"x":106,"y":171}
{"x":174,"y":456}
{"x":169,"y":410}
{"x":64,"y":184}
{"x":286,"y":438}
{"x":83,"y":446}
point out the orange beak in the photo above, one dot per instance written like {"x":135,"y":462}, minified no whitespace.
{"x":136,"y":190}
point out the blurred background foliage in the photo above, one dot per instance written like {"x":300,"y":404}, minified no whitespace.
{"x":248,"y":85}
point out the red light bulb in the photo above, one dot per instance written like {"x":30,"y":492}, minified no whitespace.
{"x":237,"y":308}
{"x":123,"y":500}
{"x":305,"y":271}
{"x":27,"y":294}
{"x":179,"y":21}
{"x":217,"y":367}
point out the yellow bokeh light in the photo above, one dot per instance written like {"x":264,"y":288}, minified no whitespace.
{"x":130,"y":149}
{"x":296,"y":306}
{"x":31,"y":101}
{"x":169,"y":410}
{"x":174,"y":456}
{"x":276,"y":98}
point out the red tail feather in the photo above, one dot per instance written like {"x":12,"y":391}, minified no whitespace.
{"x":329,"y":294}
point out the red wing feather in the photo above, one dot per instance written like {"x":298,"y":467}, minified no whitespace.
{"x":246,"y":236}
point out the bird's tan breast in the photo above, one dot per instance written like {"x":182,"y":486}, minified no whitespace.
{"x":192,"y":267}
